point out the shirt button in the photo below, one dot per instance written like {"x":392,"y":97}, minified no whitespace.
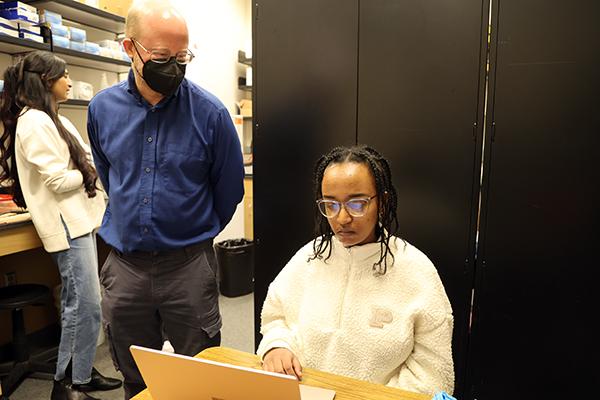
{"x":149,"y":139}
{"x":145,"y":230}
{"x":147,"y":170}
{"x":145,"y":200}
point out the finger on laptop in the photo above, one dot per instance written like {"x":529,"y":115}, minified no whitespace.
{"x":297,"y":367}
{"x":289,"y":369}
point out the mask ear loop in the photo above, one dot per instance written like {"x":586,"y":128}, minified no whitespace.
{"x":140,"y":57}
{"x":136,"y":50}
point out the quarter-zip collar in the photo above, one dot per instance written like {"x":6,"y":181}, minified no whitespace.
{"x":360,"y":256}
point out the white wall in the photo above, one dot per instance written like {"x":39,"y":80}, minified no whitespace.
{"x":218,"y":29}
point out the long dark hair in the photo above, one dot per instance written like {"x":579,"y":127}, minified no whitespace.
{"x":28,"y":84}
{"x":387,"y":196}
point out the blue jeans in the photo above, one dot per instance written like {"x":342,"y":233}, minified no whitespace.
{"x":80,"y":308}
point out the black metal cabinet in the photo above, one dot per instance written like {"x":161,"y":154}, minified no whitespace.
{"x":419,"y":72}
{"x":409,"y":78}
{"x":305,"y":56}
{"x":535,"y":301}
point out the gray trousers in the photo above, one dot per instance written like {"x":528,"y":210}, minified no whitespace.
{"x":147,"y":295}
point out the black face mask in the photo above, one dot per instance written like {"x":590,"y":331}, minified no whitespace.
{"x":163,"y":78}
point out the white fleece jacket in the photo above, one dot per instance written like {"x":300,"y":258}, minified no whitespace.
{"x":51,"y":184}
{"x":340,"y":317}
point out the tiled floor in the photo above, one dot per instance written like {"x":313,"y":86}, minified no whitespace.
{"x":238,"y":333}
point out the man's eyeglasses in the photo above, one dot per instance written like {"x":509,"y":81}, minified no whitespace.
{"x":162,"y":56}
{"x":355,"y":207}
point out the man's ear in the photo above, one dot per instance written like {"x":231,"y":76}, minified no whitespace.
{"x":128,"y":47}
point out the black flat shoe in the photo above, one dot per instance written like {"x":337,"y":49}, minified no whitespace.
{"x":65,"y":391}
{"x":99,"y":382}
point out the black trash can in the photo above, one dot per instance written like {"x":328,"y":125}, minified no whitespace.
{"x":236,"y":266}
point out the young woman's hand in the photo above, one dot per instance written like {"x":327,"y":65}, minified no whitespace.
{"x":283,"y":361}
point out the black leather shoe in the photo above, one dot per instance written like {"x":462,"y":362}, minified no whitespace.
{"x":99,"y":382}
{"x":65,"y":391}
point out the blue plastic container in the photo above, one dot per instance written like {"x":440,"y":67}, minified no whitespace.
{"x":60,"y":30}
{"x":60,"y":41}
{"x":77,"y":46}
{"x":78,"y":35}
{"x":51,"y":17}
{"x":92,"y":48}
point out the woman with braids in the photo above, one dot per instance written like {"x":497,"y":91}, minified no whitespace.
{"x":48,"y":168}
{"x":359,"y":301}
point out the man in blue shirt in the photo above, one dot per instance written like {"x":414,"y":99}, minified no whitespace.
{"x":169,"y":158}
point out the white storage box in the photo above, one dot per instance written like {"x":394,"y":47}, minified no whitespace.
{"x":106,"y":52}
{"x":8,"y":23}
{"x":9,"y":28}
{"x":110,"y":44}
{"x":31,"y":36}
{"x":19,"y":14}
{"x":82,"y":90}
{"x":18,"y":4}
{"x":30,"y":29}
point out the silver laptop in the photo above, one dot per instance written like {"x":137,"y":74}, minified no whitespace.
{"x":176,"y":377}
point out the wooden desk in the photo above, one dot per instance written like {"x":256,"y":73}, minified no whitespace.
{"x":22,"y":254}
{"x":18,"y":238}
{"x":345,"y":388}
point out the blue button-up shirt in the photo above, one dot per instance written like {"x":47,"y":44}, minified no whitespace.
{"x":173,"y":172}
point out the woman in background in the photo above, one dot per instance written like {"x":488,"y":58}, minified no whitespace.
{"x":359,"y":301}
{"x":49,"y":170}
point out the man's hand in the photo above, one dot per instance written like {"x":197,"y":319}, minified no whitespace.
{"x":283,"y":361}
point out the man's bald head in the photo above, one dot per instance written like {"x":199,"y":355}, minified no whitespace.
{"x":153,"y":25}
{"x":146,"y":15}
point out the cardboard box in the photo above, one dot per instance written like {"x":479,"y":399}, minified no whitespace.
{"x":245,"y":106}
{"x":119,"y":7}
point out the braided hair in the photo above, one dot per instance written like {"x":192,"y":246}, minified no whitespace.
{"x":387,"y":196}
{"x":28,"y":84}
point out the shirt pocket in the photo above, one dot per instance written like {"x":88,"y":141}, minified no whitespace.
{"x":183,"y":170}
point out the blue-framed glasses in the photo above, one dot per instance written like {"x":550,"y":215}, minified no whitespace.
{"x":357,"y":207}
